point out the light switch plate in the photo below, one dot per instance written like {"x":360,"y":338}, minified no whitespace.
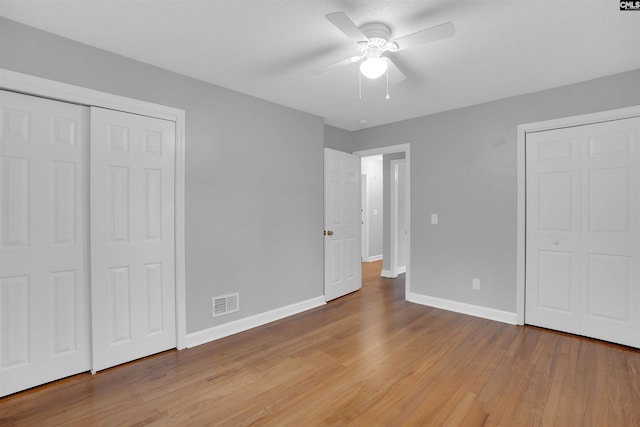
{"x":434,"y":218}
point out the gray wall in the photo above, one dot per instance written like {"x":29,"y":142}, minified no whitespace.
{"x":338,"y":139}
{"x":254,"y":186}
{"x":463,"y":167}
{"x":254,"y":178}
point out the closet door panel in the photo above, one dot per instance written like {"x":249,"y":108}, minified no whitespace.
{"x":553,"y":230}
{"x":43,"y":203}
{"x":611,"y":230}
{"x":132,"y":229}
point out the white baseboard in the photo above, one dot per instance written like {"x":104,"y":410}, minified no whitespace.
{"x":374,"y":258}
{"x":464,"y":308}
{"x":240,"y":325}
{"x":387,"y":274}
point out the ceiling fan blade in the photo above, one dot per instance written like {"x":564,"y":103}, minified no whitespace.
{"x":429,"y":35}
{"x":347,"y":26}
{"x":338,"y":64}
{"x":395,"y":74}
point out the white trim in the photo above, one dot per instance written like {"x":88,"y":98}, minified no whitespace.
{"x":393,"y":218}
{"x":523,"y":129}
{"x":406,"y":148}
{"x":388,"y":274}
{"x":383,"y":150}
{"x":241,"y":325}
{"x":364,"y":193}
{"x":37,"y":86}
{"x":402,"y":269}
{"x":374,"y":258}
{"x":394,"y":211}
{"x":583,"y":119}
{"x":24,"y":83}
{"x":461,"y":307}
{"x":521,"y":224}
{"x":180,"y":233}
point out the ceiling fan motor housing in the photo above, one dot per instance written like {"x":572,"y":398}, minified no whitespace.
{"x":376,"y":30}
{"x":378,"y":35}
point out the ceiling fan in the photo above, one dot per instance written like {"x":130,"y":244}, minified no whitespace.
{"x":373,"y":42}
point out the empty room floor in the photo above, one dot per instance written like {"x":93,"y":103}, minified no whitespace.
{"x":369,"y":358}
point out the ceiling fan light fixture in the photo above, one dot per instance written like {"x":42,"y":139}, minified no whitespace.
{"x":373,"y":67}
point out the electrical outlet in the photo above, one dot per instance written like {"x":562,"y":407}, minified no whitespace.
{"x":475,"y":284}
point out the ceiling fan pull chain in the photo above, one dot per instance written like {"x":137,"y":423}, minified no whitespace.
{"x":359,"y":85}
{"x":387,"y":97}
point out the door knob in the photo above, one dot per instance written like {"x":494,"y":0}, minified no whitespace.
{"x":329,"y":233}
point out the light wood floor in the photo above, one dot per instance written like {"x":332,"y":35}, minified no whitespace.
{"x":369,"y":358}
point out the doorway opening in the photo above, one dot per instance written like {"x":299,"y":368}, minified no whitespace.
{"x":393,"y":178}
{"x":372,"y":207}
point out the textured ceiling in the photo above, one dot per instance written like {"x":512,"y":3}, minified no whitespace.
{"x":266,"y":48}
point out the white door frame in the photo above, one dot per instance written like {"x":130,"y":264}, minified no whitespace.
{"x":393,"y":217}
{"x":37,"y":86}
{"x":523,"y":129}
{"x":364,"y":206}
{"x":400,"y":148}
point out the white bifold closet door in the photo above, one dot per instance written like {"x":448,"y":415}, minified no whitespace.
{"x":44,"y":328}
{"x":74,"y":202}
{"x":132,"y":236}
{"x":583,"y":230}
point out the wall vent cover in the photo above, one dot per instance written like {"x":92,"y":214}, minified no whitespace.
{"x":225,"y":304}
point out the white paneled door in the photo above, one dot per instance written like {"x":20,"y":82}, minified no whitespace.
{"x":44,"y":331}
{"x":583,"y":238}
{"x":132,"y":236}
{"x":342,"y":245}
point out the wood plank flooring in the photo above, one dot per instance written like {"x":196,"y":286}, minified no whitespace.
{"x":367,"y":359}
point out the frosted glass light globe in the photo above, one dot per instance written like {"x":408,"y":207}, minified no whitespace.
{"x":373,"y":67}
